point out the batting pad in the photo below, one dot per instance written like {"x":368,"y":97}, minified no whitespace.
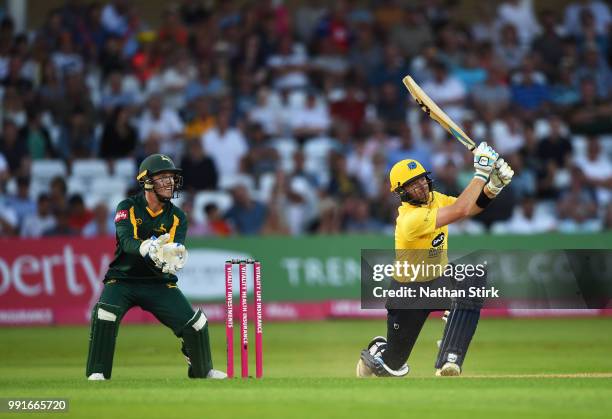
{"x":102,"y":338}
{"x":196,"y":344}
{"x":458,"y":333}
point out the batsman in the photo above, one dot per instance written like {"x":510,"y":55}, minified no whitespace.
{"x":422,"y":224}
{"x":150,"y":250}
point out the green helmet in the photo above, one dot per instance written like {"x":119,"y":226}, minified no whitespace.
{"x":154,"y":164}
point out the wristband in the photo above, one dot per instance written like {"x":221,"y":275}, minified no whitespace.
{"x":483,"y":200}
{"x":481,"y":176}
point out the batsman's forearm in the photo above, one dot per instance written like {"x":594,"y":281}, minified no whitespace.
{"x":470,"y":194}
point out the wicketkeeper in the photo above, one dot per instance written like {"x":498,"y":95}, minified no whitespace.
{"x":422,"y":224}
{"x":150,"y":250}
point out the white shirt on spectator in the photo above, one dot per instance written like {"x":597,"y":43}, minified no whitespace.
{"x":168,"y":125}
{"x":35,"y":225}
{"x":541,"y":222}
{"x":316,"y":117}
{"x":294,"y":78}
{"x":226,"y":149}
{"x":267,"y":116}
{"x":113,"y":21}
{"x":506,"y":142}
{"x":521,"y":15}
{"x":599,"y":169}
{"x":450,"y":89}
{"x":600,"y":11}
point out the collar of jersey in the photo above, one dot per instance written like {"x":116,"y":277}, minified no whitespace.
{"x":149,"y":210}
{"x":154,"y":214}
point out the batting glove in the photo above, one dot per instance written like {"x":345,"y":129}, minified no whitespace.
{"x":484,"y":159}
{"x":500,"y":177}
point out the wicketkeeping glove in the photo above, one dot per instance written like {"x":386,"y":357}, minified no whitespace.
{"x":484,"y":159}
{"x":153,"y":249}
{"x":173,"y":257}
{"x":500,"y":177}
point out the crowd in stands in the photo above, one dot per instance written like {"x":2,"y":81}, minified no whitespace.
{"x":286,"y":120}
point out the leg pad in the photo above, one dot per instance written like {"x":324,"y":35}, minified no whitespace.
{"x":196,"y":345}
{"x":103,"y":335}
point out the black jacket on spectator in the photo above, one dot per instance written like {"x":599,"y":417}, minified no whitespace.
{"x":199,"y":174}
{"x":556,"y":150}
{"x":117,"y":144}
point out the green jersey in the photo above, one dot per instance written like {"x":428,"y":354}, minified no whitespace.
{"x":135,"y":222}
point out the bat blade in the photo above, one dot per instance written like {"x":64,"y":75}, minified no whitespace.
{"x":434,"y":112}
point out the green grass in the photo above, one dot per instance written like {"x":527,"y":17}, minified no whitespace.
{"x":516,"y":368}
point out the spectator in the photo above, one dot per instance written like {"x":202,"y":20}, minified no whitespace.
{"x":548,"y":46}
{"x":21,"y":202}
{"x":526,"y":219}
{"x":529,"y":89}
{"x":246,"y":215}
{"x":42,"y":220}
{"x":520,"y":14}
{"x":391,"y":106}
{"x":207,"y":83}
{"x":350,"y":108}
{"x":199,"y":170}
{"x":214,"y":225}
{"x":577,"y":207}
{"x":597,"y":169}
{"x":598,"y":9}
{"x":62,"y":227}
{"x":114,"y":94}
{"x":78,"y":215}
{"x":37,"y":137}
{"x":288,"y":65}
{"x":591,"y":115}
{"x":311,"y":120}
{"x":446,"y":91}
{"x":413,"y":34}
{"x":360,"y":221}
{"x":226,"y":145}
{"x":57,"y":194}
{"x":509,"y":49}
{"x":76,"y":140}
{"x":342,"y":184}
{"x":161,"y":125}
{"x":595,"y":67}
{"x":200,"y":121}
{"x":408,"y":149}
{"x":101,"y":224}
{"x":14,"y":150}
{"x":492,"y":96}
{"x":9,"y":222}
{"x":119,"y":137}
{"x":556,"y":147}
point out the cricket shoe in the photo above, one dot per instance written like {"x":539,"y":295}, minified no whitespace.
{"x":96,"y":376}
{"x":450,"y":369}
{"x":216,"y":375}
{"x":371,"y":362}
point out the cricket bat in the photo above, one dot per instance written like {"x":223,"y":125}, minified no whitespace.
{"x":434,"y":112}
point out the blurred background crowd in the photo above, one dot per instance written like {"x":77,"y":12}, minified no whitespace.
{"x":287,"y":117}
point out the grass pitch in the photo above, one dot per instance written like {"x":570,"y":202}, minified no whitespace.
{"x":528,"y":368}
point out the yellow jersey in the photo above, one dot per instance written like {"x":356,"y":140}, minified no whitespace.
{"x":417,"y":240}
